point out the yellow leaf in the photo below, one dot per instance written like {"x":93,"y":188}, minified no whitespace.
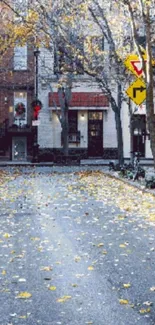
{"x":104,"y":252}
{"x":35,"y":238}
{"x":100,"y":245}
{"x":47,"y":268}
{"x":3,"y":272}
{"x":143,"y":311}
{"x":52,"y":288}
{"x":122,"y":245}
{"x":77,"y":258}
{"x":6,"y":235}
{"x":126,"y":285}
{"x":74,"y":285}
{"x":24,"y":295}
{"x":90,"y":268}
{"x":64,"y":298}
{"x":123,"y":301}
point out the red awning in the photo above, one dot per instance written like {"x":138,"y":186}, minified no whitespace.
{"x":82,"y":100}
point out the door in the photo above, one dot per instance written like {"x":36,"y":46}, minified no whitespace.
{"x":19,"y":148}
{"x":139,"y":131}
{"x":95,"y":134}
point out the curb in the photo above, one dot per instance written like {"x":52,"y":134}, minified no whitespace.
{"x":131,"y":183}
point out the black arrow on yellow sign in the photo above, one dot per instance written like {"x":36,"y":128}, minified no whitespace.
{"x":138,"y":89}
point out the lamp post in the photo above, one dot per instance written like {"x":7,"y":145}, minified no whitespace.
{"x":35,"y":141}
{"x":36,"y":55}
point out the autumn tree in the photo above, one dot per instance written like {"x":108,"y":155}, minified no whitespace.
{"x":104,"y":65}
{"x":141,"y":19}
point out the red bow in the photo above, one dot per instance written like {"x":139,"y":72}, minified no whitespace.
{"x":37,"y":108}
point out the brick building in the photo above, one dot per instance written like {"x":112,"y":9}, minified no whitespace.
{"x":17,"y":71}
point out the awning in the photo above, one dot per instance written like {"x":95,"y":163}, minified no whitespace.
{"x":83,"y":100}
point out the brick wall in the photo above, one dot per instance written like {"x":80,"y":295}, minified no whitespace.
{"x":11,"y":81}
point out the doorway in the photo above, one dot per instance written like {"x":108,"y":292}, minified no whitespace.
{"x":95,"y":133}
{"x":139,"y":131}
{"x":19,"y":148}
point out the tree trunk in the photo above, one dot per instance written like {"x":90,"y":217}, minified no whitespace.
{"x":149,"y":87}
{"x":65,"y":133}
{"x":119,"y":137}
{"x":117,"y":111}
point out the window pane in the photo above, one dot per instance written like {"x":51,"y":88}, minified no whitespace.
{"x":95,"y":115}
{"x":20,"y":10}
{"x":20,"y":97}
{"x":72,"y":121}
{"x":20,"y":57}
{"x":69,"y":58}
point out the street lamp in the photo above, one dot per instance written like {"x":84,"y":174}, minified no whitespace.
{"x":36,"y":55}
{"x":35,"y":143}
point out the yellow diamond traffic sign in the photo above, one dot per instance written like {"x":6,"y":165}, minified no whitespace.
{"x":137,"y":91}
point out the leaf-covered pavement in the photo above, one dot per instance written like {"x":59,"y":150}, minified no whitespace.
{"x":75,"y":249}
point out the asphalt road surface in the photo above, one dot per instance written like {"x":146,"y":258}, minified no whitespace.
{"x":72,"y":253}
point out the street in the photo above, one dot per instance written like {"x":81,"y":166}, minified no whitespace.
{"x":76,"y":247}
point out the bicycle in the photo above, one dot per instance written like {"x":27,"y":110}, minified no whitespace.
{"x":137,"y":169}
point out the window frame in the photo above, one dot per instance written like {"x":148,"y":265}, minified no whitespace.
{"x":19,"y":121}
{"x":17,"y":56}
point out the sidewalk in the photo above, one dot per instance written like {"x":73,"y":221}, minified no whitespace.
{"x":83,"y":162}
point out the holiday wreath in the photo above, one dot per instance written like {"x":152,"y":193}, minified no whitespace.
{"x":36,"y":105}
{"x":20,"y":108}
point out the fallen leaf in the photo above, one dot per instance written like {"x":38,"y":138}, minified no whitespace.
{"x":143,"y":311}
{"x":6,"y":235}
{"x":52,"y":288}
{"x":74,"y":285}
{"x":126,"y":285}
{"x":24,"y":295}
{"x":64,"y":298}
{"x":100,"y":245}
{"x":122,"y":246}
{"x":35,"y":238}
{"x":46,"y":268}
{"x":77,"y":258}
{"x":90,"y":268}
{"x":3,"y":272}
{"x":123,"y":301}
